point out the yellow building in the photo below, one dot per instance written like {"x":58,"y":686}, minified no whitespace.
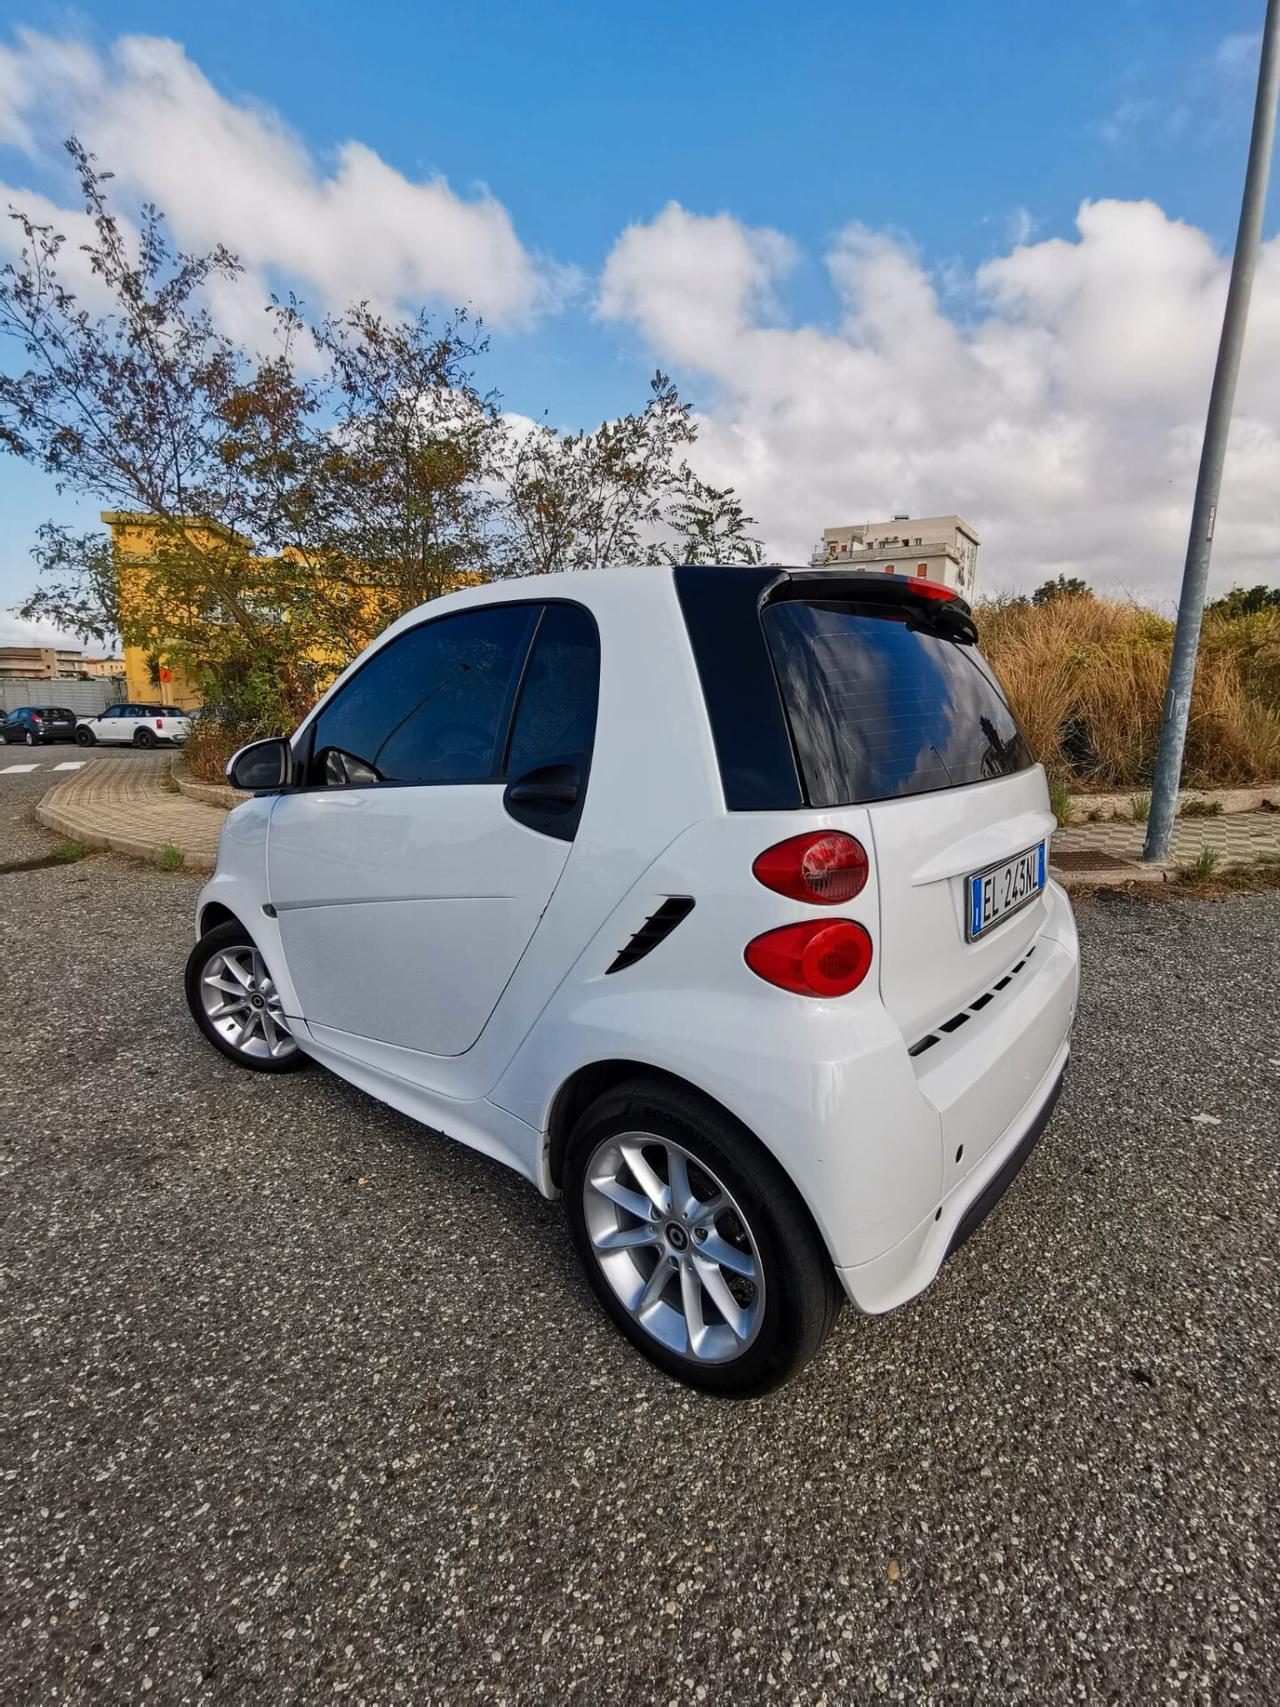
{"x":147,"y":678}
{"x":149,"y":675}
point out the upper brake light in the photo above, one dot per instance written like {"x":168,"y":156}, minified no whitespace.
{"x":930,"y":589}
{"x":826,"y":867}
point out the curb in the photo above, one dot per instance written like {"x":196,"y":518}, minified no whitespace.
{"x":71,"y":825}
{"x":1110,"y":876}
{"x":208,"y":793}
{"x":1119,"y":805}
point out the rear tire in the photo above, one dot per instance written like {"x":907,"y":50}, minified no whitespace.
{"x":85,"y":737}
{"x":29,"y":739}
{"x":720,"y":1277}
{"x":233,"y":1000}
{"x":144,"y":738}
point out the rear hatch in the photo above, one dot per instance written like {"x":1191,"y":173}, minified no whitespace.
{"x":893,"y":709}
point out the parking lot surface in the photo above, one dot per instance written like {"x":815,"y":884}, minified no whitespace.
{"x":302,"y":1402}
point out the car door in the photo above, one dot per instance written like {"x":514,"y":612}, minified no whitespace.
{"x":443,"y":783}
{"x":107,"y":726}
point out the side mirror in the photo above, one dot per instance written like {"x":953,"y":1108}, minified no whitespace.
{"x":262,"y":766}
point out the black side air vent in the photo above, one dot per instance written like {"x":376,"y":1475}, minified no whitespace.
{"x":656,"y":928}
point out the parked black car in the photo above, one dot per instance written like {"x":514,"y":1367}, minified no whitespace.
{"x":32,"y":724}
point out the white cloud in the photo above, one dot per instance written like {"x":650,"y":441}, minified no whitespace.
{"x":1055,"y":395}
{"x":1064,"y":420}
{"x":1237,"y":56}
{"x":683,"y":278}
{"x":232,"y":172}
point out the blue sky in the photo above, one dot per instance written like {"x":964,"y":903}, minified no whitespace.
{"x":951,"y":133}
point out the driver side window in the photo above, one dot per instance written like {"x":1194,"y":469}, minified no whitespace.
{"x":430,"y":707}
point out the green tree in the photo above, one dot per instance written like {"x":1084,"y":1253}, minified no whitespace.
{"x":297,"y":505}
{"x":584,"y":500}
{"x":1064,"y":587}
{"x":623,"y":494}
{"x":1246,"y":601}
{"x":301,"y":495}
{"x":709,"y":525}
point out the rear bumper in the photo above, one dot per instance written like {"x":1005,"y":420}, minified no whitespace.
{"x":907,"y":1268}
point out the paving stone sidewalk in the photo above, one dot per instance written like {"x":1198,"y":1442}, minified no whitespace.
{"x":1238,"y":838}
{"x":129,"y":806}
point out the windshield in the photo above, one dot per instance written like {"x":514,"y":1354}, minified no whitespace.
{"x":882,"y":703}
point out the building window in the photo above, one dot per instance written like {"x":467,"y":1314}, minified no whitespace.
{"x":922,"y":569}
{"x":889,"y":569}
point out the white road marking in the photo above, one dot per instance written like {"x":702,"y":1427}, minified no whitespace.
{"x":71,"y":765}
{"x":13,"y":770}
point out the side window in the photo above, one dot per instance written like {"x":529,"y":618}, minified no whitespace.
{"x":431,"y":706}
{"x":555,"y":721}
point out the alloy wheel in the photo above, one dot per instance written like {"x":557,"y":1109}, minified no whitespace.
{"x":674,"y":1246}
{"x":242,"y":1004}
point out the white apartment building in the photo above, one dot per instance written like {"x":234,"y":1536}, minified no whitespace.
{"x":936,"y":548}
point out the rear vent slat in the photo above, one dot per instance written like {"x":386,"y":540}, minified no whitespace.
{"x":656,"y":928}
{"x":975,"y":1006}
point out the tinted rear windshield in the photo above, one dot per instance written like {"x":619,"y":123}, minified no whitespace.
{"x":882,"y":705}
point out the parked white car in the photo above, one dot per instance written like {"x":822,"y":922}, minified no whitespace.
{"x":138,"y":725}
{"x":715,"y":900}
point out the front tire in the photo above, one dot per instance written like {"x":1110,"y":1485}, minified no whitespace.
{"x":695,"y":1241}
{"x":84,"y":737}
{"x":234,"y":1001}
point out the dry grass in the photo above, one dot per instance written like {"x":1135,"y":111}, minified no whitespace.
{"x":1086,"y":678}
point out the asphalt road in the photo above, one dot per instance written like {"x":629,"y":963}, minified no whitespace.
{"x":303,"y":1402}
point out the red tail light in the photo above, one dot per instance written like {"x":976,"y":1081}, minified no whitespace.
{"x":827,"y":958}
{"x":930,"y":589}
{"x":826,"y":867}
{"x":159,"y":722}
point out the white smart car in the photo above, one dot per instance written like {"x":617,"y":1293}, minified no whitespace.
{"x":714,"y":899}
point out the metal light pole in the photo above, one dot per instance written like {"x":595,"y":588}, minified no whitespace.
{"x":1186,"y":639}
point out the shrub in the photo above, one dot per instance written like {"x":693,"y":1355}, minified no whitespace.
{"x":211,"y":743}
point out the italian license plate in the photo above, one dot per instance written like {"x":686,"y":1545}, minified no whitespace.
{"x":995,"y":893}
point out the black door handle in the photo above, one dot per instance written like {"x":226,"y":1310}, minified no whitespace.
{"x":543,"y":793}
{"x":547,"y":799}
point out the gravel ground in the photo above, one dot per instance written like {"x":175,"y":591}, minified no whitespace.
{"x":301,"y":1401}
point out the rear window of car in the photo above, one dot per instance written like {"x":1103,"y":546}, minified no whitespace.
{"x":882,"y":703}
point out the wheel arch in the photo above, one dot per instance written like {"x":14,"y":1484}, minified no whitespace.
{"x":597,"y":1078}
{"x":214,"y":914}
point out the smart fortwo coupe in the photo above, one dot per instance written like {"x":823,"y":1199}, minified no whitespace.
{"x":714,"y":899}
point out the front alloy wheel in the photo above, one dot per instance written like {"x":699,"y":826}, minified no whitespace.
{"x":694,"y":1239}
{"x":234,"y":1000}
